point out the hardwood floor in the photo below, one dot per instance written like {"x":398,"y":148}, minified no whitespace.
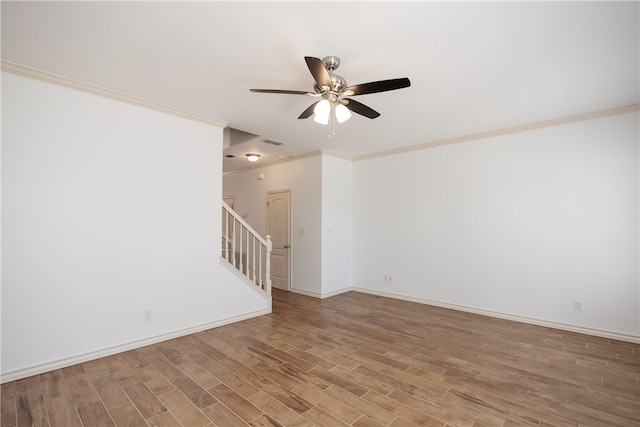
{"x":353,"y":359}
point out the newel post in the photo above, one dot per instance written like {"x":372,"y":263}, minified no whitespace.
{"x":268,"y":264}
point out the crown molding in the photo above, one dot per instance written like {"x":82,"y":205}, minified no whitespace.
{"x":504,"y":131}
{"x":45,"y":76}
{"x":336,"y":155}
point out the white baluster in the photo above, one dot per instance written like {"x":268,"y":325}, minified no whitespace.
{"x":268,"y":265}
{"x":233,"y":242}
{"x":260,"y":267}
{"x":240,"y":252}
{"x":226,"y":231}
{"x":253,"y":255}
{"x":246,"y":272}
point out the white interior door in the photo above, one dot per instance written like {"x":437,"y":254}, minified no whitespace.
{"x":279,"y":228}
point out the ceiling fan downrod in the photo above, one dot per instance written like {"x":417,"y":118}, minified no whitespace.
{"x":331,"y":63}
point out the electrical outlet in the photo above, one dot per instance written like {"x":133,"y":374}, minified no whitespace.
{"x":387,"y":278}
{"x":148,"y":315}
{"x":577,"y":305}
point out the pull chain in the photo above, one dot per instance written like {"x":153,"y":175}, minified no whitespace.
{"x":332,"y":120}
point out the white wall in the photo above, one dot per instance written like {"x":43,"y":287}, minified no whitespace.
{"x":107,"y":209}
{"x":303,"y":178}
{"x":519,"y":224}
{"x":337,"y":224}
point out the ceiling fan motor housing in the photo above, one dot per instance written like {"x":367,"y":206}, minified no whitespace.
{"x":331,"y":62}
{"x":339,"y":82}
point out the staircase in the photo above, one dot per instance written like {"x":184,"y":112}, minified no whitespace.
{"x":245,"y":250}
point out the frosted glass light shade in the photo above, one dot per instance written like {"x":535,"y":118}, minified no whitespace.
{"x":321,"y":112}
{"x":342,"y":113}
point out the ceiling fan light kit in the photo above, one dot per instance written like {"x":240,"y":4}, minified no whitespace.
{"x":321,"y":112}
{"x":334,"y":92}
{"x":342,"y":113}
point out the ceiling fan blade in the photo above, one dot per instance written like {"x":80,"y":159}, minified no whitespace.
{"x":361,"y":109}
{"x":319,"y":72}
{"x":289,"y":92}
{"x":309,"y":111}
{"x":379,"y":86}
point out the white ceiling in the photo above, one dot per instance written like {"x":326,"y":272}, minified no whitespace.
{"x":474,"y":67}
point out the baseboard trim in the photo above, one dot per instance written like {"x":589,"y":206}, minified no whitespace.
{"x":324,"y":295}
{"x":507,"y":316}
{"x":132,"y":345}
{"x":306,"y":293}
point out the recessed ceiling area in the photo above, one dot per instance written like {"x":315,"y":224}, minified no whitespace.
{"x":474,"y":66}
{"x":238,"y":144}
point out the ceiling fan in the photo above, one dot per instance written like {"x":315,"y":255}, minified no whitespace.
{"x":334,"y":92}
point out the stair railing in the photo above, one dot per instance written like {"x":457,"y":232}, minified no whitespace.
{"x":245,"y":249}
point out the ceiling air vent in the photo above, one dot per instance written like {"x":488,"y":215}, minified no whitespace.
{"x":272,"y":142}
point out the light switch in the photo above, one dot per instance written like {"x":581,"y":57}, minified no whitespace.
{"x":300,"y":231}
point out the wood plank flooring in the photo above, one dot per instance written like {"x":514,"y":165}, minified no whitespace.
{"x":353,"y":359}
